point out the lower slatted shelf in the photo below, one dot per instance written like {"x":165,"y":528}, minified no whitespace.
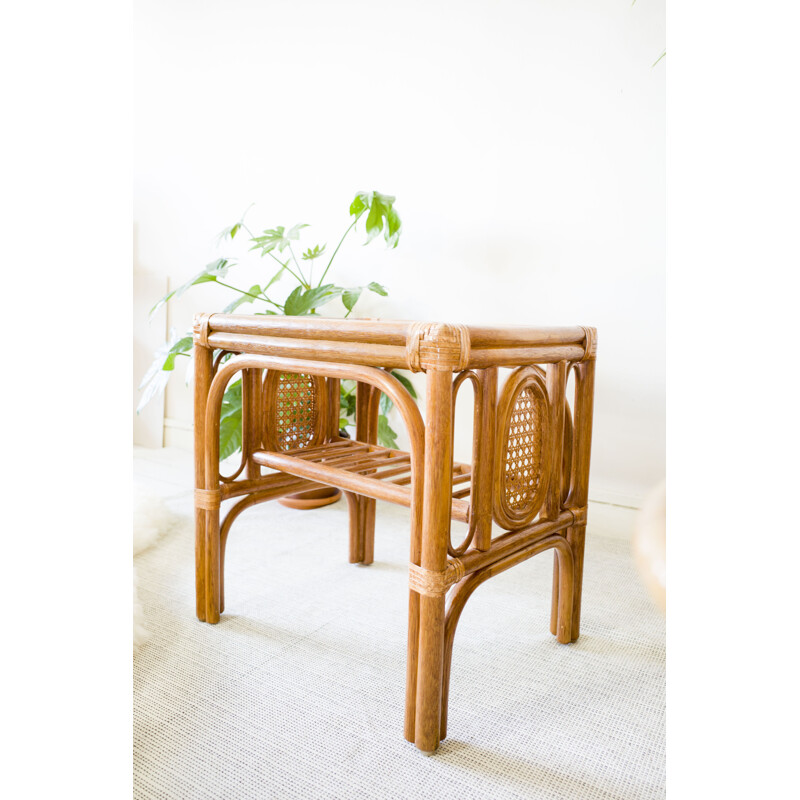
{"x":366,"y":469}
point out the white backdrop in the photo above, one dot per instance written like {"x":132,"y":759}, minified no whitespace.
{"x":524,"y":142}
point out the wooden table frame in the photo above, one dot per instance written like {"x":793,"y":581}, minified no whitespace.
{"x":529,"y":470}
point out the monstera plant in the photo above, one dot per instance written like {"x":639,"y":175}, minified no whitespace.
{"x":281,"y":247}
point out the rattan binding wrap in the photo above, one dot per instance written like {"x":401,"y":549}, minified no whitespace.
{"x":201,"y":327}
{"x":434,"y":583}
{"x":208,"y":499}
{"x":589,"y":343}
{"x":432,"y":345}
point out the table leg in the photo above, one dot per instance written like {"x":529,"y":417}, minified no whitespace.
{"x":202,"y":382}
{"x":576,"y":536}
{"x":435,"y":534}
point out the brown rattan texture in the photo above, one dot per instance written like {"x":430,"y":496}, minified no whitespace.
{"x":523,"y":453}
{"x":296,"y":410}
{"x":530,"y":457}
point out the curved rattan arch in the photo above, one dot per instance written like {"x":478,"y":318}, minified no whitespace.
{"x":566,"y":454}
{"x":515,"y":507}
{"x":573,"y":484}
{"x":381,"y":379}
{"x":478,"y":402}
{"x":247,"y":502}
{"x":463,"y":590}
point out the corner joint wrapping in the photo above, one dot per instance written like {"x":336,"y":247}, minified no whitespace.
{"x":434,"y":583}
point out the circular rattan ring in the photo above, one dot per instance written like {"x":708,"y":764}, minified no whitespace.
{"x":522,"y":450}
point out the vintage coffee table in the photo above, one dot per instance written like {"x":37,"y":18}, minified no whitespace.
{"x":529,"y":472}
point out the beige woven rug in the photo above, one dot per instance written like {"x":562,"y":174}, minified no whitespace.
{"x":298,"y":692}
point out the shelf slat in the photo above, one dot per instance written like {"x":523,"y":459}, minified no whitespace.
{"x":343,"y":464}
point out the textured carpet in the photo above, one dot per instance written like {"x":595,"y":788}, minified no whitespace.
{"x":298,"y":691}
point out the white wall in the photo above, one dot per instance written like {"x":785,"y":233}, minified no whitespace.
{"x":524,"y":142}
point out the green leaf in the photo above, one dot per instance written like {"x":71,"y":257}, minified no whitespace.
{"x":276,"y":277}
{"x":181,"y":346}
{"x":406,"y":382}
{"x":277,"y":237}
{"x":382,"y":217}
{"x":157,"y":377}
{"x":232,"y":399}
{"x":242,"y":299}
{"x":234,"y":229}
{"x":359,"y":204}
{"x":386,"y":404}
{"x":216,"y":269}
{"x":310,"y":254}
{"x":350,"y":297}
{"x":377,"y":288}
{"x":301,"y":302}
{"x":294,"y":232}
{"x":347,"y":398}
{"x":386,"y":436}
{"x":293,"y":302}
{"x":230,"y":421}
{"x":230,"y":435}
{"x":231,"y":231}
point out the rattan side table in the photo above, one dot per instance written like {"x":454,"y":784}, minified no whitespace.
{"x":529,"y":471}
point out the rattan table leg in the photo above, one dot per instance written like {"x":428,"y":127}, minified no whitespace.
{"x":435,"y":537}
{"x":202,"y":382}
{"x":576,"y":535}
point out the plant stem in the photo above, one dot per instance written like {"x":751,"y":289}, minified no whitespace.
{"x":241,"y":291}
{"x":271,"y":301}
{"x":275,"y":258}
{"x":291,"y":252}
{"x":289,"y":270}
{"x":338,"y":246}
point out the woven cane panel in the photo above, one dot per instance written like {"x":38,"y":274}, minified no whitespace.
{"x":523,"y":455}
{"x":296,"y":410}
{"x":523,"y":460}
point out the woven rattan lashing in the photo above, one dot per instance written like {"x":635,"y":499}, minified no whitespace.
{"x":295,"y":418}
{"x":524,"y":449}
